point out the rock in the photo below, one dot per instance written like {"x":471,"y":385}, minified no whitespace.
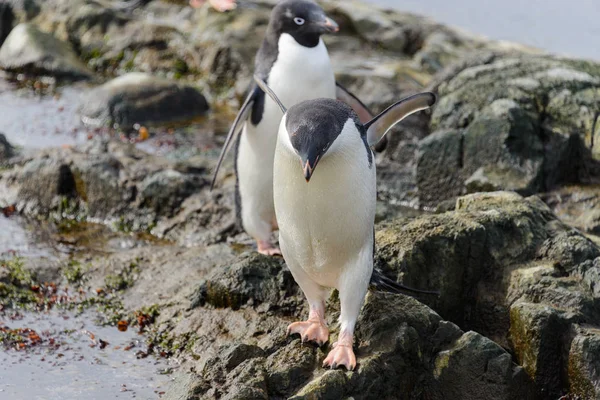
{"x":142,"y":99}
{"x":6,"y":150}
{"x":107,"y":182}
{"x":237,"y":354}
{"x":29,"y":50}
{"x":584,"y":364}
{"x":45,"y":183}
{"x":523,"y":121}
{"x":254,"y":278}
{"x":537,"y":333}
{"x":577,"y":206}
{"x":6,"y":20}
{"x":440,"y":152}
{"x":502,"y":264}
{"x":289,"y":367}
{"x":164,"y":191}
{"x":475,"y":368}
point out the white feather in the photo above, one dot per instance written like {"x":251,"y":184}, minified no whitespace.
{"x":326,"y":225}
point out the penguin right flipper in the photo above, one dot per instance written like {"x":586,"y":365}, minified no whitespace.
{"x":381,"y":124}
{"x":236,"y":127}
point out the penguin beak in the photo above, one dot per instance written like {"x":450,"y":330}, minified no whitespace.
{"x":328,"y":25}
{"x":308,"y":166}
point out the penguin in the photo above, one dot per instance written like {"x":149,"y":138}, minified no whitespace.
{"x":324,"y":191}
{"x":294,"y":61}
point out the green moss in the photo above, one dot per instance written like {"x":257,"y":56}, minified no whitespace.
{"x":522,"y":337}
{"x":579,"y":383}
{"x":17,"y":274}
{"x":180,"y":68}
{"x":73,"y":272}
{"x":12,"y":296}
{"x":124,"y":279}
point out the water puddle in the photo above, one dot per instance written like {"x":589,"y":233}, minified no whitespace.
{"x":34,"y":122}
{"x":65,"y":356}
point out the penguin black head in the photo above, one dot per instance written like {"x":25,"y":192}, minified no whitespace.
{"x":314,"y":125}
{"x":304,"y":20}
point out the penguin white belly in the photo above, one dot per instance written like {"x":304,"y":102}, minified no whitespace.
{"x":300,"y":73}
{"x":326,"y":225}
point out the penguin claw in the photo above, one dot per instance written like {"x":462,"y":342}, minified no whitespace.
{"x":341,"y":356}
{"x":310,"y":331}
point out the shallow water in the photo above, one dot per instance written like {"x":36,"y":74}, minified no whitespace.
{"x":32,"y":121}
{"x":69,"y":363}
{"x":570,"y":28}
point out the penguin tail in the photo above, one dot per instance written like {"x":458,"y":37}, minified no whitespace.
{"x":382,"y":283}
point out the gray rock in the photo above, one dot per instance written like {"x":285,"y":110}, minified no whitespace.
{"x":45,"y":183}
{"x":440,"y":152}
{"x":164,"y":191}
{"x":584,"y":364}
{"x":254,"y":279}
{"x":6,"y":150}
{"x":27,"y":49}
{"x":474,"y":367}
{"x":537,"y":333}
{"x":491,"y":242}
{"x":237,"y":354}
{"x":142,"y":99}
{"x":510,"y":142}
{"x":577,"y":206}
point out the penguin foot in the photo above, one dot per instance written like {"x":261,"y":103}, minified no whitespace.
{"x":340,"y":355}
{"x":219,"y":5}
{"x":268,"y":249}
{"x":310,"y":331}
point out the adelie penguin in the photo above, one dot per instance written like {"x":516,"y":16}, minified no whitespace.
{"x":294,"y":61}
{"x":324,"y":194}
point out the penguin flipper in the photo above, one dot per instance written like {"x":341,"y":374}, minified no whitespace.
{"x":381,"y":124}
{"x":236,"y":128}
{"x":363,"y":112}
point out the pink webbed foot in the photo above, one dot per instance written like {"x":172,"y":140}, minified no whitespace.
{"x":341,"y":354}
{"x":310,"y":331}
{"x":219,"y":5}
{"x":267,"y":249}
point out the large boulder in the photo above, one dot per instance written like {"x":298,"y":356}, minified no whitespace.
{"x":507,"y":268}
{"x":511,"y":122}
{"x":138,"y":98}
{"x":403,"y":347}
{"x":27,"y":49}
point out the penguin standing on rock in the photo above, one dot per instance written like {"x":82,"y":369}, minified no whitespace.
{"x":294,"y":61}
{"x":324,"y":194}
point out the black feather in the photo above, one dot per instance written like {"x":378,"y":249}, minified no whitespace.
{"x":382,"y":283}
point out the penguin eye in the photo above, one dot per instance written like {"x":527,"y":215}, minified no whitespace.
{"x":299,"y":21}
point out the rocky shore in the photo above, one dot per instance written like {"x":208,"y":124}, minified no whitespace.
{"x":502,"y":180}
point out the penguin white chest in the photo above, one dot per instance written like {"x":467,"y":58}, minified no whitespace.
{"x":326,"y":223}
{"x":301,"y":73}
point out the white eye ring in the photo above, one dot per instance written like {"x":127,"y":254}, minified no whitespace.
{"x":299,"y":21}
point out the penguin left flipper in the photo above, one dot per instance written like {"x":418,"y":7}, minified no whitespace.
{"x":343,"y":94}
{"x":236,"y":127}
{"x":382,"y":123}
